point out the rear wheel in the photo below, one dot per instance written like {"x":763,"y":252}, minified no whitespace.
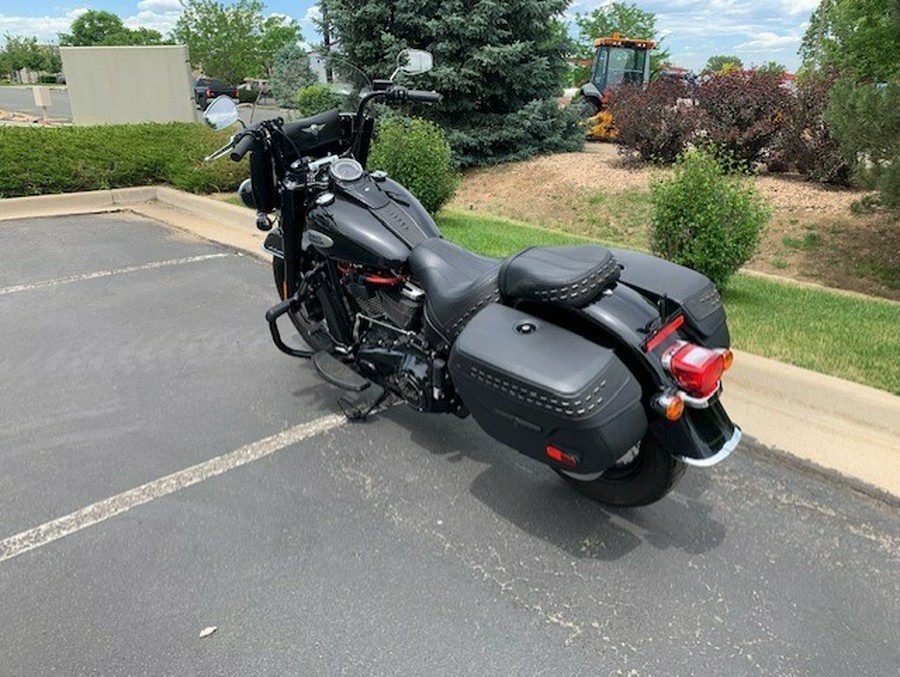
{"x":642,"y":476}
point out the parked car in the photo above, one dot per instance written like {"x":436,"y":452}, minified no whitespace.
{"x":207,"y":89}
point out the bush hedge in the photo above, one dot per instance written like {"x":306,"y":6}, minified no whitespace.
{"x":316,"y":99}
{"x":415,"y":152}
{"x":806,"y":141}
{"x":704,"y":218}
{"x":742,"y":111}
{"x":37,"y":161}
{"x":656,"y":120}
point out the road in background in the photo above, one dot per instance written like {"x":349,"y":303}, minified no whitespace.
{"x":410,"y":544}
{"x":21,"y":100}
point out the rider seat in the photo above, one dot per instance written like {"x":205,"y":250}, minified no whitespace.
{"x":458,"y":283}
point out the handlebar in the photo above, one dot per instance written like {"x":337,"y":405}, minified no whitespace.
{"x":242,"y":147}
{"x":423,"y":96}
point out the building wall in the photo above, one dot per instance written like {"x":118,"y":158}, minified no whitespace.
{"x":114,"y":85}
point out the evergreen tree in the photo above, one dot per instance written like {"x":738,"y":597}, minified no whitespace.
{"x":290,"y":73}
{"x":497,"y":63}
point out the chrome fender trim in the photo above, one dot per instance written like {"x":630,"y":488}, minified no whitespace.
{"x":721,"y":455}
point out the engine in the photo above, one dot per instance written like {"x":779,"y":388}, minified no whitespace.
{"x":385,"y":296}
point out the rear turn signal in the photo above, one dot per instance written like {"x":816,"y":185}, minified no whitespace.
{"x":560,"y":456}
{"x":727,"y":359}
{"x":694,"y":368}
{"x":669,"y":405}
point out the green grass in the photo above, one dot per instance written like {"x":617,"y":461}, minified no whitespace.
{"x":848,"y":337}
{"x":496,"y":236}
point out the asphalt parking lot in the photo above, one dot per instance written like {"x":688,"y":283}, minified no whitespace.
{"x":165,"y":469}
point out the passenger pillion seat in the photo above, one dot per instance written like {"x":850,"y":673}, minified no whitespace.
{"x":458,"y":283}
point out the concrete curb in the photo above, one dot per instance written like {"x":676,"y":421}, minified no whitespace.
{"x":838,"y":425}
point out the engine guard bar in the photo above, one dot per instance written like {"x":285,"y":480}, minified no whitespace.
{"x":272,"y":315}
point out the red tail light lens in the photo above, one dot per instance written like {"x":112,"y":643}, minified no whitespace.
{"x":208,"y":93}
{"x":694,"y":368}
{"x":560,"y":456}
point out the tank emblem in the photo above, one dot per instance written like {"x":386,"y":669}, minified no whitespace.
{"x":320,"y":240}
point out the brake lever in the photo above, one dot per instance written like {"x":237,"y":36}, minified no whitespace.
{"x":215,"y":155}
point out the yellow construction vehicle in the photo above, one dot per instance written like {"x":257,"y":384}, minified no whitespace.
{"x":618,"y":60}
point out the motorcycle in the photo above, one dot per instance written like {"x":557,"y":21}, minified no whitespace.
{"x":604,"y":364}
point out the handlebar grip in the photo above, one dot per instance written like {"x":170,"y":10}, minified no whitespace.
{"x":424,"y":96}
{"x":242,"y":147}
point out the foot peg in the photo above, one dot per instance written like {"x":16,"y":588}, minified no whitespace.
{"x":339,"y":374}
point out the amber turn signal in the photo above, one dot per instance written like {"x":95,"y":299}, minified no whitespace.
{"x":727,"y":359}
{"x":669,"y":405}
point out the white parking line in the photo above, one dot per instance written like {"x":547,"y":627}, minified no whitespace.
{"x":107,"y":273}
{"x":102,"y":510}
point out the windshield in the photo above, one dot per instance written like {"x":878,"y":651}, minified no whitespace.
{"x":616,"y":65}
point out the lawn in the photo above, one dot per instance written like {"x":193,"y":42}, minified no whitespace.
{"x":848,"y":337}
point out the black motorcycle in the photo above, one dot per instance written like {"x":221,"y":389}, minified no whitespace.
{"x":605,"y":364}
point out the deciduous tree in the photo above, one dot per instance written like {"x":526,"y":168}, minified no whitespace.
{"x":618,"y":17}
{"x":722,"y":63}
{"x":234,"y":41}
{"x":96,"y":27}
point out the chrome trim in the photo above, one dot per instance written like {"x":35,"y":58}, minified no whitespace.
{"x":274,"y":252}
{"x":700,"y":402}
{"x":721,"y":455}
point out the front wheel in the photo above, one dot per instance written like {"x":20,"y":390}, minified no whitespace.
{"x":642,"y":476}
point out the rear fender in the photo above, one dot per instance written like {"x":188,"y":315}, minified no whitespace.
{"x":683,"y":290}
{"x":702,"y":436}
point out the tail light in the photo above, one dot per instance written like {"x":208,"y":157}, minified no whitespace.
{"x":696,"y":369}
{"x":561,"y":456}
{"x":208,"y":93}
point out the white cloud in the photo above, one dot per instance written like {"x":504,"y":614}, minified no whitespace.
{"x":45,"y":28}
{"x":769,"y":42}
{"x":158,"y":15}
{"x":160,"y":6}
{"x":799,"y":6}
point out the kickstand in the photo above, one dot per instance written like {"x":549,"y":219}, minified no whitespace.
{"x":358,"y":407}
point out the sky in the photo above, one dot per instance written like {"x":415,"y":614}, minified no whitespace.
{"x":693,"y":30}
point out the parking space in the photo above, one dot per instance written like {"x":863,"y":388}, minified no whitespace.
{"x":135,"y":356}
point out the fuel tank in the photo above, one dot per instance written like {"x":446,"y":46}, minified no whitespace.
{"x":372,"y":221}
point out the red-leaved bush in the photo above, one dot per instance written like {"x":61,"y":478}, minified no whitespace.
{"x":741,"y":111}
{"x":805,"y":140}
{"x":655,"y":120}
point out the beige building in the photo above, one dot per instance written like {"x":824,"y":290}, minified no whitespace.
{"x":117,"y":85}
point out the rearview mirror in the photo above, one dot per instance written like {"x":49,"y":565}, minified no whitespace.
{"x":414,"y":61}
{"x":221,"y":113}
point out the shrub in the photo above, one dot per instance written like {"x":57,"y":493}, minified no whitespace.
{"x":415,"y":152}
{"x":704,"y":218}
{"x":865,"y":119}
{"x":38,"y":161}
{"x":742,"y":111}
{"x":316,"y":99}
{"x":247,"y":95}
{"x":805,"y":140}
{"x":656,"y":121}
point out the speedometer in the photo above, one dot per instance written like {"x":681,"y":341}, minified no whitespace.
{"x":346,"y":170}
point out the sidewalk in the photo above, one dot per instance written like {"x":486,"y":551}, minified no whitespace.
{"x":835,"y":424}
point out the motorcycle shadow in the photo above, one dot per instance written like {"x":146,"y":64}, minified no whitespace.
{"x":533,"y":498}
